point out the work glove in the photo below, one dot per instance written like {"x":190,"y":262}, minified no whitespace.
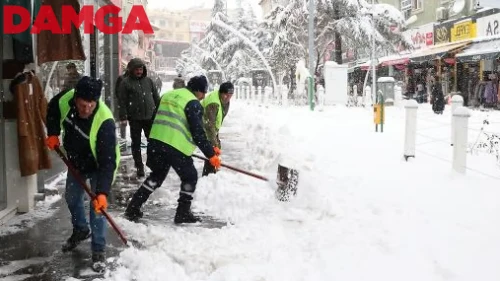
{"x":52,"y":142}
{"x":217,"y":151}
{"x":215,"y":161}
{"x":100,"y":202}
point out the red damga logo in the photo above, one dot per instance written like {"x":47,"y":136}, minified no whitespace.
{"x":17,"y":19}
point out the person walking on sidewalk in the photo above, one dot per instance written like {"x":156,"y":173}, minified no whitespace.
{"x":89,"y":139}
{"x":177,"y":131}
{"x":216,"y":106}
{"x":178,"y":82}
{"x":123,"y":125}
{"x":138,"y":98}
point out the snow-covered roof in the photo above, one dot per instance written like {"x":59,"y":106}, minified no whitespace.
{"x":481,"y":49}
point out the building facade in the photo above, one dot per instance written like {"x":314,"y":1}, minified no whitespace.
{"x":423,"y":12}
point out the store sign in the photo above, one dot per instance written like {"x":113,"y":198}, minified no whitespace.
{"x":453,"y":31}
{"x":463,"y":30}
{"x":442,"y":34}
{"x":421,"y":37}
{"x":488,"y":26}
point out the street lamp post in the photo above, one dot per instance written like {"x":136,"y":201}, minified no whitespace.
{"x":311,"y":54}
{"x":374,"y":59}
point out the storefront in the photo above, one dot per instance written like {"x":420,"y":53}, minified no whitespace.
{"x":478,"y":64}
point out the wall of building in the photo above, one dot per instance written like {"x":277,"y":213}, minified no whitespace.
{"x":426,"y":10}
{"x":174,"y":26}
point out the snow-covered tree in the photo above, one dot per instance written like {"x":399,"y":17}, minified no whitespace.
{"x":351,"y":19}
{"x":240,"y":59}
{"x":215,"y":36}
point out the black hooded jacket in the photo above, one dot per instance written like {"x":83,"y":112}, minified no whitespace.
{"x":137,"y":96}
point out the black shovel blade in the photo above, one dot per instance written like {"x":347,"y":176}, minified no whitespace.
{"x":287,"y":181}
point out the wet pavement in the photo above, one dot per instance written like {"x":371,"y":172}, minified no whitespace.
{"x":35,"y":252}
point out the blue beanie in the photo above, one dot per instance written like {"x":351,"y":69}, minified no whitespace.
{"x":198,"y":84}
{"x":88,"y":88}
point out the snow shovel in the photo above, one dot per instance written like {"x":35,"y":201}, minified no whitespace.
{"x":92,"y":195}
{"x":287,"y":179}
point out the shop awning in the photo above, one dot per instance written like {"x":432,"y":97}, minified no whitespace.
{"x":482,"y":50}
{"x":395,"y":59}
{"x":438,"y":51}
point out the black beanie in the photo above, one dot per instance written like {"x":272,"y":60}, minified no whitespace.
{"x":198,"y":84}
{"x":226,"y":88}
{"x":88,"y":88}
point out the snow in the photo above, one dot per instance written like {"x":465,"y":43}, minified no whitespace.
{"x":361,"y":213}
{"x":462,"y":112}
{"x":43,"y":209}
{"x":386,"y":80}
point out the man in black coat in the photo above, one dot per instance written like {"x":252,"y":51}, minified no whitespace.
{"x":138,"y":98}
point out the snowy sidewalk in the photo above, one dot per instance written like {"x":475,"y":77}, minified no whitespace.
{"x":361,"y":213}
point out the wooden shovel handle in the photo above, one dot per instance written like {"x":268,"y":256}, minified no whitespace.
{"x":92,"y":195}
{"x":236,"y":169}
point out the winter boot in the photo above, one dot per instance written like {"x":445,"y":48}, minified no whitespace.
{"x":76,"y":238}
{"x":133,"y":211}
{"x":133,"y":214}
{"x":98,"y":262}
{"x":184,"y":214}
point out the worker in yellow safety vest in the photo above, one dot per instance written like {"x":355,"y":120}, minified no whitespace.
{"x":89,"y":139}
{"x":177,"y":131}
{"x":215,"y":109}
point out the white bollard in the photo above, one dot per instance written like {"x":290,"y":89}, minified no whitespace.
{"x":456,"y":102}
{"x":398,"y":96}
{"x":267,"y":94}
{"x":321,"y":97}
{"x":258,"y":97}
{"x":284,"y":95}
{"x":411,"y":107}
{"x":461,"y":138}
{"x":368,"y":97}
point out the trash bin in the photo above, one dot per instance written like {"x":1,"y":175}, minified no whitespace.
{"x":386,"y":85}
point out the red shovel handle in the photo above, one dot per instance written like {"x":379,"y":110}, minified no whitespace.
{"x":236,"y":169}
{"x":92,"y":195}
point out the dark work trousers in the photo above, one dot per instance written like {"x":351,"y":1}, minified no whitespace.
{"x":123,"y":130}
{"x":136,"y":129}
{"x":160,"y":158}
{"x":208,"y":168}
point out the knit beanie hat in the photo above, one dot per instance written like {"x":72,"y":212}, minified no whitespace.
{"x":226,"y":88}
{"x":198,"y":84}
{"x":88,"y":88}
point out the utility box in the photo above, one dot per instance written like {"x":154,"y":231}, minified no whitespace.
{"x":336,"y":87}
{"x":386,"y":85}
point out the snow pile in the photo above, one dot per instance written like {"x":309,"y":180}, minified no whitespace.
{"x":361,"y":212}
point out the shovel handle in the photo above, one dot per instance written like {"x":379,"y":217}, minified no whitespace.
{"x":92,"y":195}
{"x":236,"y":169}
